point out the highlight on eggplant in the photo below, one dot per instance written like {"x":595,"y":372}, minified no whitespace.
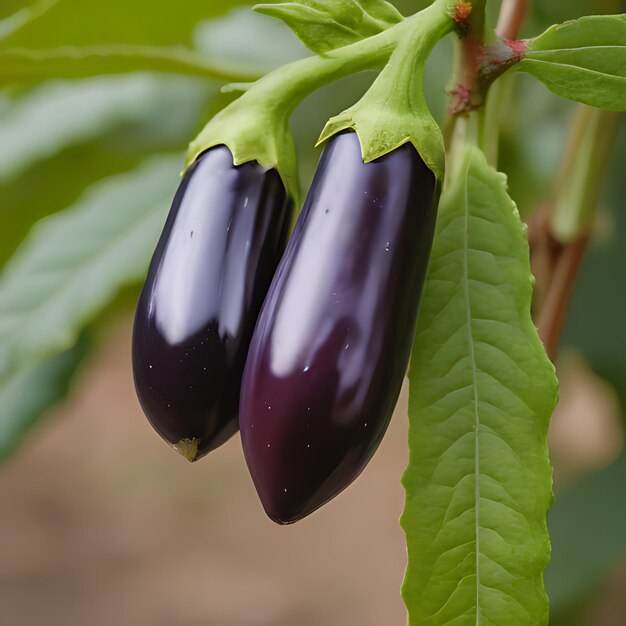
{"x":332,"y":342}
{"x":211,"y":269}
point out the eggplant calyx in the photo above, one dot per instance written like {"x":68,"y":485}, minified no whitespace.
{"x":188,"y":448}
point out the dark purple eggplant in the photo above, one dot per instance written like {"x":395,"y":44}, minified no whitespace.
{"x":210,"y":272}
{"x":332,"y":342}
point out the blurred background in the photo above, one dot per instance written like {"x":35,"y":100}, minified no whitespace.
{"x":102,"y":523}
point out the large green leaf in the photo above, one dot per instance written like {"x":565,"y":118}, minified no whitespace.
{"x":324,"y":25}
{"x":481,"y":394}
{"x":29,"y":391}
{"x":583,"y":60}
{"x":73,"y":263}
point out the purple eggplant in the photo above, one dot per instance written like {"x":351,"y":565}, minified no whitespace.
{"x":222,"y":241}
{"x":332,"y":342}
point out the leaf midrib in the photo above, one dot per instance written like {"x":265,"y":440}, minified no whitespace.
{"x":532,"y":51}
{"x":578,"y":68}
{"x":470,"y":341}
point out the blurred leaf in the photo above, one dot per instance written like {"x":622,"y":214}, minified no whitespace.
{"x":73,"y":263}
{"x":139,"y":22}
{"x":587,"y":525}
{"x":30,"y":391}
{"x":79,"y":38}
{"x":9,"y":8}
{"x":323,"y":25}
{"x":436,"y":78}
{"x":575,"y":614}
{"x":408,"y":7}
{"x":26,"y":65}
{"x":55,"y":115}
{"x":583,"y":60}
{"x":248,"y":38}
{"x":481,"y":394}
{"x":91,"y":136}
{"x":534,"y":135}
{"x":11,"y":23}
{"x":556,"y":11}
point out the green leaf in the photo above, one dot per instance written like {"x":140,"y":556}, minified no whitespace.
{"x":73,"y":263}
{"x":481,"y":394}
{"x":18,"y":65}
{"x":326,"y":25}
{"x":583,"y":60}
{"x":30,"y":391}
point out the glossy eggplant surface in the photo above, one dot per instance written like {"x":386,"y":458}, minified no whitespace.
{"x":331,"y":345}
{"x":210,"y":272}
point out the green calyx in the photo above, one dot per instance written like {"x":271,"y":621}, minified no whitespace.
{"x":255,"y":127}
{"x":252,"y":131}
{"x":394,"y":110}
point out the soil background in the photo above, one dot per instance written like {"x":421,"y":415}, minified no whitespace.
{"x":103,"y":524}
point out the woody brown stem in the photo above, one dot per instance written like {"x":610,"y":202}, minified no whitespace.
{"x":558,"y":292}
{"x":465,"y":94}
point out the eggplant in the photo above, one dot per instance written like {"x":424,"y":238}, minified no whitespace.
{"x":224,"y":236}
{"x":333,"y":339}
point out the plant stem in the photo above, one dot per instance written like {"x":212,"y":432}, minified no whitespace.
{"x":560,"y":231}
{"x":495,"y":107}
{"x":285,"y":87}
{"x":583,"y":172}
{"x":466,"y":93}
{"x":512,"y":14}
{"x":551,"y":319}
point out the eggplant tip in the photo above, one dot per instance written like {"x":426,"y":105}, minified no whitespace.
{"x":188,"y":448}
{"x":285,"y":517}
{"x":280,"y":521}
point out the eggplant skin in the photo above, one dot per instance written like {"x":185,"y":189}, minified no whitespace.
{"x":333,"y":339}
{"x":224,"y":236}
